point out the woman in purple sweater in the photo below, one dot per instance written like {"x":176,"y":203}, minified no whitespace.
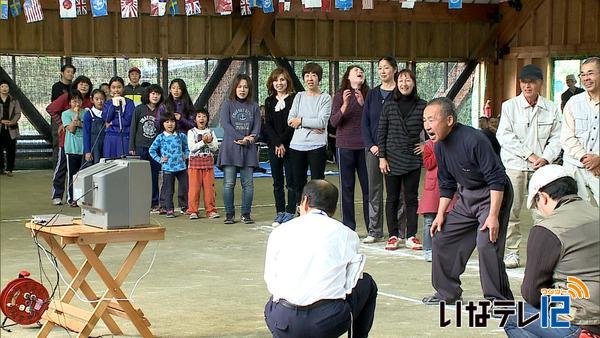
{"x":346,"y":117}
{"x":240,"y":120}
{"x":180,"y":104}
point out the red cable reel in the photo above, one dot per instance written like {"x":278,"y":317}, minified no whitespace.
{"x":23,"y":300}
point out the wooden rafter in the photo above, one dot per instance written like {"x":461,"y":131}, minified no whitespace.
{"x":511,"y":26}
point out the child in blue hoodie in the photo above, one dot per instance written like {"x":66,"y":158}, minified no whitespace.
{"x":170,"y":148}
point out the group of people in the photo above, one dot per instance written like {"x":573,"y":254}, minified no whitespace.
{"x":475,"y":180}
{"x":477,"y":193}
{"x":132,"y":119}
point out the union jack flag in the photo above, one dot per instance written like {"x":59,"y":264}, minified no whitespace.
{"x":245,"y":7}
{"x":129,"y":9}
{"x":192,"y":7}
{"x":81,"y":6}
{"x":33,"y":11}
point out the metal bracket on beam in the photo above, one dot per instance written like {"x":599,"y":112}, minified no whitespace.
{"x":213,"y":82}
{"x":462,"y":79}
{"x":33,"y":115}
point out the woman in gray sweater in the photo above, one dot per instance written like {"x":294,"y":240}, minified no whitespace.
{"x":309,"y":115}
{"x":240,"y":119}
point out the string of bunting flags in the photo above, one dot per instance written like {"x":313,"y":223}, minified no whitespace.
{"x":129,"y":8}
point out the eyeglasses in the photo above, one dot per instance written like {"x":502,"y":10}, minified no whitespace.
{"x":588,"y":74}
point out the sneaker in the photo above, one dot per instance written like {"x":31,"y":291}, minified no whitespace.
{"x":393,"y":243}
{"x":278,"y":218}
{"x":435,"y":300}
{"x":246,"y":219}
{"x":414,"y":243}
{"x":73,"y":204}
{"x":213,"y":215}
{"x":155,"y":210}
{"x":427,"y":255}
{"x":287,"y":217}
{"x":9,"y":174}
{"x":56,"y":201}
{"x":511,"y":260}
{"x":162,"y":211}
{"x":183,"y":211}
{"x":170,"y":214}
{"x":229,"y":219}
{"x":194,"y":215}
{"x":371,"y":239}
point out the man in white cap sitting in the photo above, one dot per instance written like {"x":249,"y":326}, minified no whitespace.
{"x":566,"y":243}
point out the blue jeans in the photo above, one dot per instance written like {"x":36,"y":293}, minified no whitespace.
{"x":534,"y":329}
{"x":427,"y":220}
{"x":229,"y":177}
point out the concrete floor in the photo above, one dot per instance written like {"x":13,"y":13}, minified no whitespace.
{"x":206,"y":280}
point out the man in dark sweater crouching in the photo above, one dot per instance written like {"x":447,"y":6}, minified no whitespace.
{"x":467,"y":163}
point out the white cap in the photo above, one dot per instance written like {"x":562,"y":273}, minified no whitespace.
{"x":541,"y":178}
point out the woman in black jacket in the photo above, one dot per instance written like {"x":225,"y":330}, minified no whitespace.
{"x":400,"y":126}
{"x":279,"y":133}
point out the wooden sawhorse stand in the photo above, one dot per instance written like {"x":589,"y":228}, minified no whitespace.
{"x":64,"y":314}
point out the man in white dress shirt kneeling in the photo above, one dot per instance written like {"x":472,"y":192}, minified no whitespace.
{"x":315,"y":274}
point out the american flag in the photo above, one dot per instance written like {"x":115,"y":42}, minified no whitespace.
{"x":192,"y":7}
{"x":81,"y":6}
{"x":33,"y":11}
{"x":129,"y":9}
{"x":245,"y":7}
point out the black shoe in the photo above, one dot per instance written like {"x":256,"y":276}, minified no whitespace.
{"x":435,"y":300}
{"x":246,"y":219}
{"x":229,"y":219}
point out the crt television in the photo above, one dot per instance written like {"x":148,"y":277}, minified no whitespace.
{"x":114,"y":194}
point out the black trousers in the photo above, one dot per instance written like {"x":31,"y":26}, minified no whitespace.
{"x":407,"y":184}
{"x":329,"y":320}
{"x":74,"y":162}
{"x":60,"y":174}
{"x":350,"y":163}
{"x":460,"y":234}
{"x":10,"y":146}
{"x":278,"y":165}
{"x":168,"y":188}
{"x":302,"y":160}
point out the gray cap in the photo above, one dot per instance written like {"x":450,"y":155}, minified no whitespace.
{"x":531,"y":72}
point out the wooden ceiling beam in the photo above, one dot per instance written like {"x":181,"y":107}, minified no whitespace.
{"x":510,"y":26}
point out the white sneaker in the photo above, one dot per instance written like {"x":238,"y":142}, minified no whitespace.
{"x":414,"y":243}
{"x":511,"y":260}
{"x":427,"y":255}
{"x":56,"y":201}
{"x":370,"y":239}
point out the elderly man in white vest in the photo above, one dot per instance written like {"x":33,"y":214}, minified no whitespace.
{"x":580,"y":132}
{"x":529,"y":134}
